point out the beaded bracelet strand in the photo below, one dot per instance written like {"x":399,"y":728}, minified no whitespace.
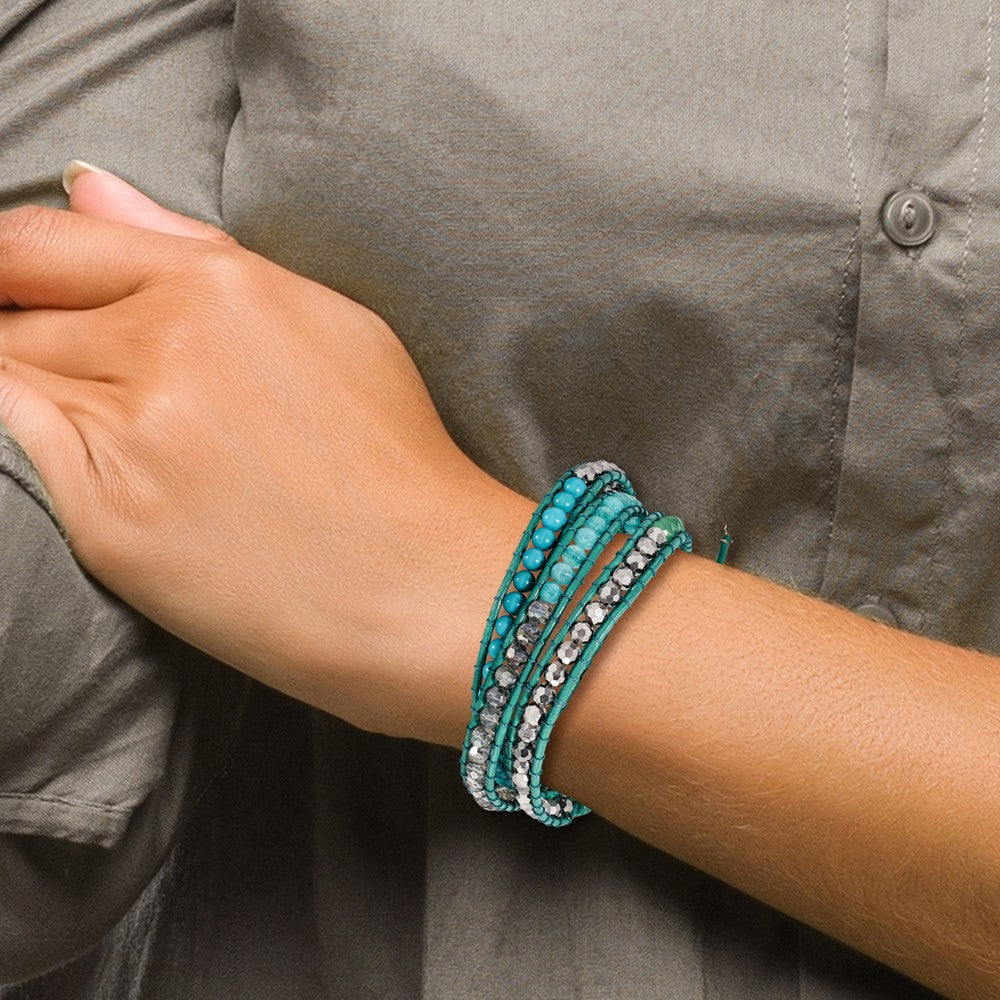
{"x":537,"y":618}
{"x":486,"y":697}
{"x":620,"y":513}
{"x":620,"y":582}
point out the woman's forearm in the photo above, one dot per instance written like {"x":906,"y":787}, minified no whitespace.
{"x":842,"y":771}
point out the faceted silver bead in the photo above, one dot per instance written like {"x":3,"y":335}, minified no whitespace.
{"x":623,"y":576}
{"x":516,"y":655}
{"x":581,"y":632}
{"x":543,"y":697}
{"x":555,"y":674}
{"x":532,"y":715}
{"x":507,"y":794}
{"x":636,"y":561}
{"x":524,"y":800}
{"x":646,"y":546}
{"x":497,"y":697}
{"x":596,"y":613}
{"x":528,"y":633}
{"x":568,"y":653}
{"x":609,"y":593}
{"x":567,"y":805}
{"x":478,"y":753}
{"x":657,"y":535}
{"x":522,"y":751}
{"x":505,"y":677}
{"x":539,"y":611}
{"x":475,"y":772}
{"x":527,"y":733}
{"x":586,"y":471}
{"x":550,"y":807}
{"x":521,"y":767}
{"x":482,"y":736}
{"x":489,"y":716}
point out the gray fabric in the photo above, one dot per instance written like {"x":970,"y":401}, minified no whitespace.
{"x":630,"y":230}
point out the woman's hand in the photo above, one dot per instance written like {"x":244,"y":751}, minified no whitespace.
{"x":247,"y":457}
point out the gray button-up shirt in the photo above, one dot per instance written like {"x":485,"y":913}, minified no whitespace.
{"x":646,"y":232}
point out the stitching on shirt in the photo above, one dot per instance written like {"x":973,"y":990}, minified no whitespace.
{"x":963,"y":284}
{"x":56,"y":800}
{"x":836,"y":384}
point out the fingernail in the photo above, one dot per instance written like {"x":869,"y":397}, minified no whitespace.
{"x":73,"y":170}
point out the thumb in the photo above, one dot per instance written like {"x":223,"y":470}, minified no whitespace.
{"x":97,"y":193}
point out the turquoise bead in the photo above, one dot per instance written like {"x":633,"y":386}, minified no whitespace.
{"x":616,"y":501}
{"x":550,"y":592}
{"x":493,"y":648}
{"x":503,"y":625}
{"x":564,"y":501}
{"x":562,"y":573}
{"x":574,"y":555}
{"x":544,"y":538}
{"x":554,"y":518}
{"x":513,"y":601}
{"x":524,"y":580}
{"x":575,"y":486}
{"x":597,"y":524}
{"x":586,"y":538}
{"x":533,"y":559}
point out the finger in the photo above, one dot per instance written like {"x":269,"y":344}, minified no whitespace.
{"x":50,"y":257}
{"x":61,"y":342}
{"x":101,"y":195}
{"x":45,"y":432}
{"x":68,"y":394}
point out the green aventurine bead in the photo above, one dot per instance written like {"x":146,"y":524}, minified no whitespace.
{"x":670,"y":524}
{"x":550,"y":592}
{"x":586,"y":538}
{"x":562,"y":573}
{"x":575,"y":555}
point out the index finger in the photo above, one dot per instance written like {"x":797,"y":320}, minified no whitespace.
{"x":54,"y":258}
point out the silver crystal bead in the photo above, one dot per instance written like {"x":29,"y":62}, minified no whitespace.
{"x":623,"y":576}
{"x":539,"y":611}
{"x":482,"y":736}
{"x":532,"y":715}
{"x":636,"y":561}
{"x":609,"y":593}
{"x":497,"y":697}
{"x":516,"y":655}
{"x":543,"y":697}
{"x":567,"y":805}
{"x":519,"y":779}
{"x":522,"y":751}
{"x":527,"y":733}
{"x":568,"y":653}
{"x":507,"y":794}
{"x":657,"y":535}
{"x":550,"y":807}
{"x":505,"y":677}
{"x":586,"y":471}
{"x":596,"y":613}
{"x":489,"y":716}
{"x":528,"y":633}
{"x":581,"y":632}
{"x":475,"y":772}
{"x":521,"y":767}
{"x":646,"y":546}
{"x":478,"y":753}
{"x":555,"y":674}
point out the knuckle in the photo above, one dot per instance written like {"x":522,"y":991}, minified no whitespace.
{"x":24,"y":229}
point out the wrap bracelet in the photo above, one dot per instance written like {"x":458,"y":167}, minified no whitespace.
{"x":523,"y":677}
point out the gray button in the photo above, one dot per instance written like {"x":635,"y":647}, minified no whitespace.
{"x":876,"y":612}
{"x":908,"y":218}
